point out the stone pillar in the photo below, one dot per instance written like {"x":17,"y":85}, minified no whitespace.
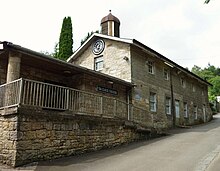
{"x":14,"y":63}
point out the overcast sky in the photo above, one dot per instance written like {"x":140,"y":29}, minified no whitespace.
{"x":185,"y":31}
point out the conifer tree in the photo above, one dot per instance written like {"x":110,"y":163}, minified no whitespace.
{"x":65,"y":46}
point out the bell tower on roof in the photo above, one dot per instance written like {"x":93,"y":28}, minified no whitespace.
{"x":110,"y":25}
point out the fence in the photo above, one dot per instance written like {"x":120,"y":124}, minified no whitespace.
{"x":49,"y":96}
{"x":10,"y":94}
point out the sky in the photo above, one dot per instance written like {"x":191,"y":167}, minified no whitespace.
{"x":185,"y":31}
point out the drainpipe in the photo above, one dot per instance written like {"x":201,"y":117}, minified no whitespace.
{"x":128,"y":103}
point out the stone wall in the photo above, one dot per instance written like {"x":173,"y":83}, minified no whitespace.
{"x":8,"y":139}
{"x":81,"y":81}
{"x":115,"y":63}
{"x":147,"y":82}
{"x":90,"y":85}
{"x":135,"y":70}
{"x":197,"y":97}
{"x":46,"y":134}
{"x":41,"y":74}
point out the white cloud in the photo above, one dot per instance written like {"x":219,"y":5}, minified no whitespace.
{"x":184,"y":31}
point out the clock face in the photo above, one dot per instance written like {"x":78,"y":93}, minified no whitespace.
{"x":98,"y":47}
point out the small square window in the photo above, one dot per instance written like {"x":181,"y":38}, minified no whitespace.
{"x":150,"y":67}
{"x":99,"y":63}
{"x":166,"y":74}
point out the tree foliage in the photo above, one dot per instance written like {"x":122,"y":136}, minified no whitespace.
{"x":212,"y":75}
{"x":88,"y":36}
{"x":65,"y":45}
{"x":207,"y":1}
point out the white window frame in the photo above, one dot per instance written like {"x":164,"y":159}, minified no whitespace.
{"x":177,"y":108}
{"x":185,"y":109}
{"x":168,"y":105}
{"x":195,"y":111}
{"x":150,"y":65}
{"x":166,"y":74}
{"x":153,"y":102}
{"x":98,"y":63}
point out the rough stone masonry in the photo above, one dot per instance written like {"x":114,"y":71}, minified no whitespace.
{"x":35,"y":134}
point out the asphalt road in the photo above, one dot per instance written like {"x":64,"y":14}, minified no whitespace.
{"x":194,"y":149}
{"x":183,"y":150}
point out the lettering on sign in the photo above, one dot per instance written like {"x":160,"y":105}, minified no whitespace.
{"x":107,"y":90}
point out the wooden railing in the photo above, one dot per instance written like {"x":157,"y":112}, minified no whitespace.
{"x":44,"y":95}
{"x":10,"y":94}
{"x":49,"y":96}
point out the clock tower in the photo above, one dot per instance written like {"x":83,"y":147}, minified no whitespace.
{"x":110,"y":25}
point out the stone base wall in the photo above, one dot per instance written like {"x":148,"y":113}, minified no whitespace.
{"x":8,"y":139}
{"x":46,"y":134}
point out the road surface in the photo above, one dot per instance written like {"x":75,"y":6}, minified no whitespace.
{"x":183,"y":150}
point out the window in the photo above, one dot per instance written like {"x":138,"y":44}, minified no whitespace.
{"x":168,"y":105}
{"x":150,"y":67}
{"x":185,"y":110}
{"x":194,"y":88}
{"x":195,"y":112}
{"x":183,"y":83}
{"x":177,"y":108}
{"x":153,"y":102}
{"x":99,"y":63}
{"x":166,"y":74}
{"x":202,"y":92}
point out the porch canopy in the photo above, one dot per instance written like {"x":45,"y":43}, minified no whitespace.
{"x":39,"y":60}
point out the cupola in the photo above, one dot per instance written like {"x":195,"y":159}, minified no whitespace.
{"x":110,"y":25}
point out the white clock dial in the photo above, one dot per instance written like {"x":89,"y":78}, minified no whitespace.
{"x":98,"y":47}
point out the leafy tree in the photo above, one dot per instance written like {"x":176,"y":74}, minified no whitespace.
{"x":65,"y":49}
{"x":88,"y":36}
{"x":212,"y":75}
{"x":215,"y":90}
{"x":206,"y":1}
{"x":56,"y":50}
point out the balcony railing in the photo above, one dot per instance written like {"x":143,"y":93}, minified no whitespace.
{"x":33,"y":93}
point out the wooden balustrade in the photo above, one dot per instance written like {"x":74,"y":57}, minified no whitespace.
{"x":10,"y":94}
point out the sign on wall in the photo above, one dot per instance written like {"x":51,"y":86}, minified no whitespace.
{"x":107,"y":90}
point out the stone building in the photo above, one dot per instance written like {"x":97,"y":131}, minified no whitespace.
{"x":111,"y":91}
{"x":50,"y":108}
{"x":170,"y":93}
